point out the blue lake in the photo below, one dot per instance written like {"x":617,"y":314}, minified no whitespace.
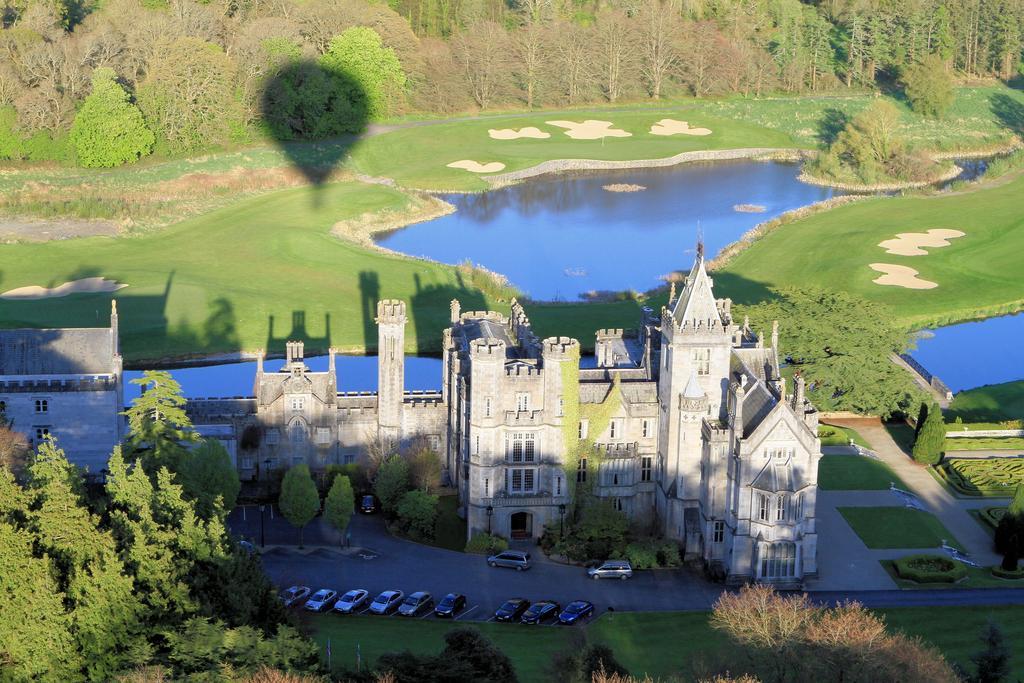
{"x":560,"y":236}
{"x":973,"y":354}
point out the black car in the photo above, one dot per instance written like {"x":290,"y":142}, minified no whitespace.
{"x":367,"y":505}
{"x":450,"y":605}
{"x":512,"y":610}
{"x":576,"y":610}
{"x":541,"y":612}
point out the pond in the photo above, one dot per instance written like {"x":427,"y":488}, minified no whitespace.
{"x":355,"y":373}
{"x":973,"y":354}
{"x":561,"y":236}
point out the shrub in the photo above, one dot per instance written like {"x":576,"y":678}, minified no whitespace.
{"x":417,"y":514}
{"x":392,"y":481}
{"x":109,"y":130}
{"x":929,"y":569}
{"x":929,"y":86}
{"x":486,"y":544}
{"x":642,"y":554}
{"x":374,"y":69}
{"x":1001,"y":573}
{"x":668,"y":554}
{"x":931,"y":437}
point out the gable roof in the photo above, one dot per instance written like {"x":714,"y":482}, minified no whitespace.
{"x":697,"y":302}
{"x":73,"y":351}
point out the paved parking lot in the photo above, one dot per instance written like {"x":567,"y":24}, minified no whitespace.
{"x":377,"y":562}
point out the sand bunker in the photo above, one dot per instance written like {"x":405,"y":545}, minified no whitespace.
{"x":900,"y":276}
{"x":623,"y":187}
{"x":912,"y":243}
{"x":513,"y":134}
{"x":89,"y":285}
{"x":477,"y":167}
{"x":590,"y":129}
{"x":673,"y":127}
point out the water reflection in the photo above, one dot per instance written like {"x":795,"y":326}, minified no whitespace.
{"x":560,"y":236}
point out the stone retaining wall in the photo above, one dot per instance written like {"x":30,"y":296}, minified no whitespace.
{"x":562,"y":165}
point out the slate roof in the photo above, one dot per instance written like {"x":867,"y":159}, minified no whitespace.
{"x":77,"y":351}
{"x":697,"y":302}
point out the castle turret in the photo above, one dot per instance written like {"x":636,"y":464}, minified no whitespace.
{"x":456,"y":311}
{"x":391,"y":320}
{"x":556,"y":352}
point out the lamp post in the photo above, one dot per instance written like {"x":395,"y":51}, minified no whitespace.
{"x":561,"y":520}
{"x":263,"y":541}
{"x":490,"y":513}
{"x":266,"y":468}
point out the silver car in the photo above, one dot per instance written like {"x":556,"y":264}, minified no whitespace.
{"x":351,"y":601}
{"x":294,"y":595}
{"x":416,"y":603}
{"x":387,"y":602}
{"x":611,"y":569}
{"x":513,"y":559}
{"x":321,"y":600}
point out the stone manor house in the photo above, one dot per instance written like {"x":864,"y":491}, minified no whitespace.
{"x":699,"y":439}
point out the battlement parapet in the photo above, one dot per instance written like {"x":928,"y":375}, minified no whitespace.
{"x":487,"y":347}
{"x":484,"y":315}
{"x":522,"y":370}
{"x":556,"y":348}
{"x":391,"y":311}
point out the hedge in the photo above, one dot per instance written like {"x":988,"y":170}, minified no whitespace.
{"x":1001,"y":573}
{"x":929,"y":569}
{"x":486,"y":544}
{"x":991,"y":516}
{"x":983,"y":476}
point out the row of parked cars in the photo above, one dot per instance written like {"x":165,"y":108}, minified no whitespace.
{"x":521,"y":560}
{"x":387,"y":602}
{"x":419,"y":603}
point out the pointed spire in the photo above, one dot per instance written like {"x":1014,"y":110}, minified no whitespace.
{"x":114,"y":330}
{"x":671,"y":292}
{"x":697,"y":303}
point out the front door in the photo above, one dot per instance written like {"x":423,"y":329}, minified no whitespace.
{"x":522,"y":525}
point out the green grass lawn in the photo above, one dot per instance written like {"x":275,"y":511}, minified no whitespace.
{"x":985,"y":443}
{"x":450,"y":529}
{"x":658,"y":644}
{"x":897,"y":527}
{"x":855,"y":473}
{"x":257,"y":273}
{"x":990,"y":403}
{"x":834,"y":435}
{"x":530,"y":649}
{"x":978,"y":274}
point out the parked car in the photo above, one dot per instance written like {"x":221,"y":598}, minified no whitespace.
{"x":368,"y":505}
{"x":541,"y":612}
{"x":513,"y":559}
{"x":420,"y":601}
{"x":450,"y":605}
{"x":322,"y":600}
{"x":352,"y":601}
{"x":294,"y":595}
{"x":576,"y":611}
{"x":387,"y":602}
{"x":611,"y":569}
{"x":512,"y":610}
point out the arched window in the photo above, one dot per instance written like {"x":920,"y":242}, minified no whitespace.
{"x":297,"y":432}
{"x":777,"y":560}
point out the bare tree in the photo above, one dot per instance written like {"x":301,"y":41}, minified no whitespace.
{"x":571,"y":45}
{"x":13,"y":448}
{"x":615,"y":64}
{"x":659,"y":37}
{"x":529,"y":54}
{"x":483,"y":53}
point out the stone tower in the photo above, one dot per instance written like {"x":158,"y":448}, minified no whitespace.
{"x":391,"y":320}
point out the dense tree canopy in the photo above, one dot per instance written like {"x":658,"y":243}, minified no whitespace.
{"x":929,"y":86}
{"x":202,"y":69}
{"x":842,"y":345}
{"x":299,"y":500}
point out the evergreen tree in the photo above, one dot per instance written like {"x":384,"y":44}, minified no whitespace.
{"x":993,"y":662}
{"x":340,"y":503}
{"x":109,"y":130}
{"x":931,"y":438}
{"x":929,"y":87}
{"x":209,"y":478}
{"x":359,"y":54}
{"x":157,"y":424}
{"x":1010,"y":531}
{"x":299,"y":500}
{"x":391,"y":483}
{"x":417,"y":513}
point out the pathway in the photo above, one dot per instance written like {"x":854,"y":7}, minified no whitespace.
{"x":952,"y":512}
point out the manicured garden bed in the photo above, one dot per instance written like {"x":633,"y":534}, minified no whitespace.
{"x":929,"y":569}
{"x":997,"y":477}
{"x":897,"y":527}
{"x":855,"y":473}
{"x":986,"y":443}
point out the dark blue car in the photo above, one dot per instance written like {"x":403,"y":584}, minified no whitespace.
{"x":576,"y":611}
{"x":512,"y":610}
{"x":540,"y":612}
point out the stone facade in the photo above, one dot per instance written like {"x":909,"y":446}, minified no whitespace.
{"x":66,"y":383}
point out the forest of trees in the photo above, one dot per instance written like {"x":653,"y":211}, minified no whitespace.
{"x":198,"y":70}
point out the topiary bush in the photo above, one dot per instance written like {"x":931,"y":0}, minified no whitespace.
{"x":1001,"y":573}
{"x":486,"y":544}
{"x":929,"y":569}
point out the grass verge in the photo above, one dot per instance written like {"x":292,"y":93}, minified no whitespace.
{"x":897,"y":527}
{"x":855,"y":473}
{"x":834,"y":435}
{"x":990,"y":403}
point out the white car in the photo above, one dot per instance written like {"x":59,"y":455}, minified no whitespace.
{"x":323,"y":599}
{"x":351,"y":601}
{"x":294,"y":595}
{"x":387,"y":602}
